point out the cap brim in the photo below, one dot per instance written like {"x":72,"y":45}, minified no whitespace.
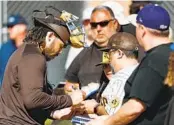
{"x":122,"y":20}
{"x":61,"y":32}
{"x":106,"y":49}
{"x":132,"y":19}
{"x":101,"y":63}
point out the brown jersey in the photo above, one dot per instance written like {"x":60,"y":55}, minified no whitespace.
{"x":25,"y":98}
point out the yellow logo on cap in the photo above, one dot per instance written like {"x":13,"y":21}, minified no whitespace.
{"x":105,"y":58}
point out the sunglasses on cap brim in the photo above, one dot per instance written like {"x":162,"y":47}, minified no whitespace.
{"x":102,"y":23}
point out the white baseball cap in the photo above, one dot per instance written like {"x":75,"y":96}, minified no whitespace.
{"x":87,"y":13}
{"x":132,"y":19}
{"x":118,"y":11}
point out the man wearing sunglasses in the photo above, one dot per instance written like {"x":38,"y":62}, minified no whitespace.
{"x":17,"y":29}
{"x":83,"y":69}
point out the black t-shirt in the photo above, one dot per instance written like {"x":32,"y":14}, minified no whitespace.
{"x":83,"y":69}
{"x":146,"y":84}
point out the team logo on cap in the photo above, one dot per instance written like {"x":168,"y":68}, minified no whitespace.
{"x":140,"y":19}
{"x":11,"y":19}
{"x":163,"y":27}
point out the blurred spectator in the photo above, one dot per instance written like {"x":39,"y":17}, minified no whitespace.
{"x":83,"y":69}
{"x":17,"y":29}
{"x":169,"y":80}
{"x":73,"y":52}
{"x":136,"y":6}
{"x":86,"y":24}
{"x":146,"y":96}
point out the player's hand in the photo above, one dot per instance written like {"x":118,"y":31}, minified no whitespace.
{"x":70,"y":87}
{"x":77,"y":97}
{"x":63,"y":114}
{"x":90,"y":105}
{"x":79,"y":109}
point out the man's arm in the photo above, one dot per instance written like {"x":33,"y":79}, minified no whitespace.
{"x":139,"y":100}
{"x":127,"y":113}
{"x":93,"y":107}
{"x":31,"y":75}
{"x":70,"y":87}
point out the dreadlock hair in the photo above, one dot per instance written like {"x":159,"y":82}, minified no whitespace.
{"x":169,"y":80}
{"x":36,"y":35}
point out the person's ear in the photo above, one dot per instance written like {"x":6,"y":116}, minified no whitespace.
{"x":143,"y":31}
{"x":120,"y":54}
{"x":50,"y":37}
{"x":116,"y":25}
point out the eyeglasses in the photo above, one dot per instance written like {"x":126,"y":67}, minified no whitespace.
{"x":102,"y":23}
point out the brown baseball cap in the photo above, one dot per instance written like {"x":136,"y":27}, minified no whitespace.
{"x":55,"y":24}
{"x":123,"y":41}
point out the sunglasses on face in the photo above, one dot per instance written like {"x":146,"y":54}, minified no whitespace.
{"x":102,"y":23}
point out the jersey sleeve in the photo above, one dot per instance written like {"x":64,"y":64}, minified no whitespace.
{"x":31,"y":76}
